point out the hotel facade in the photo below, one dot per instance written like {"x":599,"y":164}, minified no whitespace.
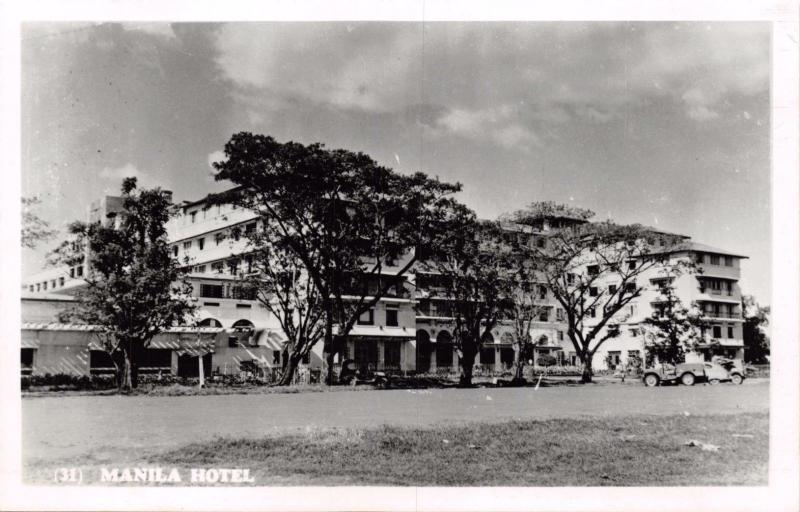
{"x":408,"y":330}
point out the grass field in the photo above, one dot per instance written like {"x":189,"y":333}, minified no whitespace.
{"x":627,"y":451}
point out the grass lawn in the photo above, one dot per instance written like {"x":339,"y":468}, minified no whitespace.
{"x":627,"y":451}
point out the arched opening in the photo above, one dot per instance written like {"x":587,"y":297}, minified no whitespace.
{"x":423,"y":351}
{"x":209,"y":322}
{"x":444,"y":350}
{"x":243,"y":333}
{"x":487,"y":349}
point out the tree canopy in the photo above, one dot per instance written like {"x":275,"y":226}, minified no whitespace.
{"x":352,"y":223}
{"x":134,"y":288}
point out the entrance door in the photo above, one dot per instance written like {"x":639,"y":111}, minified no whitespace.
{"x":423,"y":351}
{"x":187,"y":366}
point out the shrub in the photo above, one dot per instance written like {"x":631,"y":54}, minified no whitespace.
{"x":546,"y":360}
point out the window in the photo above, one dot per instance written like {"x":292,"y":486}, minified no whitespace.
{"x":615,"y":356}
{"x":218,"y":267}
{"x":630,"y":287}
{"x":634,"y":333}
{"x":212,"y":291}
{"x":559,"y":314}
{"x":632,"y":310}
{"x":591,"y":312}
{"x":233,"y":341}
{"x":38,"y":286}
{"x":560,"y":335}
{"x":72,"y":270}
{"x":200,"y":269}
{"x":44,"y":285}
{"x":729,"y":287}
{"x":306,"y":358}
{"x":367,"y":318}
{"x":193,"y":216}
{"x":60,"y":281}
{"x":201,"y":243}
{"x":100,"y":362}
{"x":612,"y":289}
{"x":540,"y":242}
{"x":570,"y":278}
{"x":276,"y":357}
{"x":213,"y":304}
{"x":391,"y":317}
{"x":593,"y":270}
{"x":187,"y":245}
{"x":730,"y":332}
{"x":542,"y":292}
{"x":592,"y":291}
{"x":728,"y":261}
{"x":391,"y":355}
{"x":244,"y":306}
{"x":544,"y":315}
{"x":717,"y":331}
{"x":249,"y":229}
{"x":631,"y":264}
{"x":714,"y":259}
{"x":53,"y":283}
{"x":31,"y":288}
{"x":26,"y":359}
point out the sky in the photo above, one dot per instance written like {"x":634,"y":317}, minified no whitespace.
{"x":664,"y":124}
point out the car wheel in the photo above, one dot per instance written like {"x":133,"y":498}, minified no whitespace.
{"x":651,"y":380}
{"x":714,"y":382}
{"x":687,"y":379}
{"x":737,"y":379}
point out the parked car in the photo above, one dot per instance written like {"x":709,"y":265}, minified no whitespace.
{"x":351,"y":375}
{"x":714,"y":372}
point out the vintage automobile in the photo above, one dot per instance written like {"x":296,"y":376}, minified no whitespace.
{"x":713,"y":372}
{"x":352,"y":375}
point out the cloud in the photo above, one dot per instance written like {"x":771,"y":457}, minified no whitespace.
{"x":117,"y":174}
{"x":215,"y":156}
{"x":158,"y":29}
{"x":550,"y":72}
{"x":500,"y":125}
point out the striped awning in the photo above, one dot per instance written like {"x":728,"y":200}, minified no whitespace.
{"x":29,"y":343}
{"x":272,"y":339}
{"x":197,"y":349}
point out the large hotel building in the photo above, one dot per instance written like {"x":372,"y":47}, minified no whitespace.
{"x":409,"y":330}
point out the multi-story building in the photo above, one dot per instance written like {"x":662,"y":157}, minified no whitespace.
{"x":410,"y":329}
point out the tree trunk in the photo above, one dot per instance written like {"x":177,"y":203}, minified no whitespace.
{"x":468,"y":353}
{"x":289,"y":369}
{"x":126,"y":373}
{"x":586,"y":373}
{"x":328,"y":344}
{"x":519,"y":363}
{"x":135,"y":373}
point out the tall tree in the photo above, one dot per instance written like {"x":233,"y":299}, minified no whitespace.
{"x":592,"y":271}
{"x":134,"y":288}
{"x":352,"y":223}
{"x":475,"y":279}
{"x":276,"y":277}
{"x":756,"y":341}
{"x":34,"y":229}
{"x":672,"y":329}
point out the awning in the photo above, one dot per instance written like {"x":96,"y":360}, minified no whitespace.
{"x":196,"y":349}
{"x":165,"y":343}
{"x":272,"y":339}
{"x":29,"y":343}
{"x":366,"y":337}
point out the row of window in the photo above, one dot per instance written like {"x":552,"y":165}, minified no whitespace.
{"x":715,"y":259}
{"x":53,"y":284}
{"x":368,"y":317}
{"x":234,"y":233}
{"x":203,"y":213}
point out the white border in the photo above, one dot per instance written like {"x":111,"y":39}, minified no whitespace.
{"x":784,"y":455}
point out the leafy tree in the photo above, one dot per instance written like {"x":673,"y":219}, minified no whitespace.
{"x":756,"y":341}
{"x":672,"y":329}
{"x":591,"y":269}
{"x":278,"y":280}
{"x":350,"y":222}
{"x":34,"y":229}
{"x":134,"y":288}
{"x":475,"y":269}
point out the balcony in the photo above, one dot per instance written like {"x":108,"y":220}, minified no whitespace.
{"x":720,"y":271}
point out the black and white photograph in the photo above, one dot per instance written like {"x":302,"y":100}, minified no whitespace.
{"x":360,"y":255}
